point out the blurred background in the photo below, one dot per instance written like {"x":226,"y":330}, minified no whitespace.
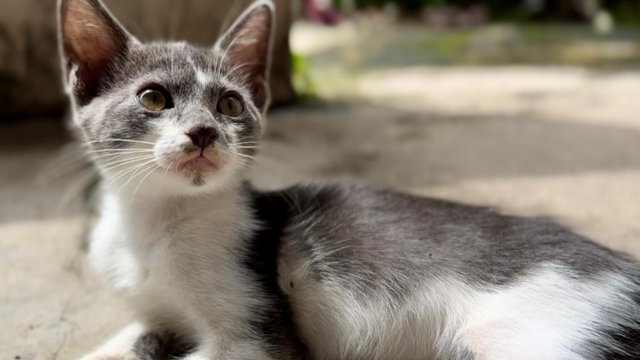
{"x":530,"y":106}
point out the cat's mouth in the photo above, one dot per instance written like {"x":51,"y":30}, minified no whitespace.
{"x":199,"y":162}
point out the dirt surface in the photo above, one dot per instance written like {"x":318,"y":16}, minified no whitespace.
{"x":536,"y":140}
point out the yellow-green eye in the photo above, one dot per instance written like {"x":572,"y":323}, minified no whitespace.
{"x":153,"y":100}
{"x":230,"y":105}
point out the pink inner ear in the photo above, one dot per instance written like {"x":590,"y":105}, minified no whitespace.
{"x":92,"y":40}
{"x":88,"y":37}
{"x":247,"y":45}
{"x":251,"y":43}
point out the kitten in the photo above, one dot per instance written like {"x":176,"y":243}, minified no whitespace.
{"x":331,"y":272}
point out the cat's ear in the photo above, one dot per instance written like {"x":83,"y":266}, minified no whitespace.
{"x":247,"y":47}
{"x":91,"y":40}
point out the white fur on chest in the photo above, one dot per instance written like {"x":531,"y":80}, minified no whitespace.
{"x":177,"y":261}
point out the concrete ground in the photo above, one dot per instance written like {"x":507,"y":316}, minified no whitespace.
{"x":535,"y":140}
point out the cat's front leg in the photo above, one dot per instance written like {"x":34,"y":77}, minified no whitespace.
{"x":240,"y":350}
{"x":134,"y":342}
{"x":206,"y":355}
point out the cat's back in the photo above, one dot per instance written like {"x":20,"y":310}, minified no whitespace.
{"x":353,"y":225}
{"x":376,"y":274}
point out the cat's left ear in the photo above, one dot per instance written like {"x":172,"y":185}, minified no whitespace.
{"x":91,"y":41}
{"x":247,"y":47}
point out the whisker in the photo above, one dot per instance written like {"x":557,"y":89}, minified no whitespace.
{"x":218,"y":69}
{"x":69,"y":150}
{"x":172,"y":65}
{"x":128,"y":171}
{"x":232,"y":13}
{"x":120,"y":140}
{"x":245,"y":146}
{"x":275,"y":166}
{"x":140,"y":171}
{"x":56,"y":171}
{"x":248,"y":143}
{"x":125,"y":159}
{"x":153,"y":169}
{"x":240,"y":66}
{"x":176,"y":20}
{"x":114,"y":164}
{"x":169,"y":167}
{"x":116,"y":150}
{"x":115,"y":156}
{"x":69,"y":154}
{"x":76,"y":187}
{"x":244,"y":155}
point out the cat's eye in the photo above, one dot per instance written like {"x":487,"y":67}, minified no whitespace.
{"x":153,"y":100}
{"x":230,"y":105}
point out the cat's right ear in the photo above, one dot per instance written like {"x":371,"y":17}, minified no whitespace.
{"x":91,"y":39}
{"x":247,"y":46}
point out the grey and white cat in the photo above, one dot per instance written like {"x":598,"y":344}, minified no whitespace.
{"x":318,"y":272}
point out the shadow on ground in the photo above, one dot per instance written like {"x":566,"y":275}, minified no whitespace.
{"x":406,"y":149}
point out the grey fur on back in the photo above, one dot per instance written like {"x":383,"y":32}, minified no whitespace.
{"x":385,"y":233}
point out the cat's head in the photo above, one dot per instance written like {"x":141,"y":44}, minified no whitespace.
{"x":166,"y":117}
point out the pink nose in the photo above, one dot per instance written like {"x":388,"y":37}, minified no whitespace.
{"x":202,"y":136}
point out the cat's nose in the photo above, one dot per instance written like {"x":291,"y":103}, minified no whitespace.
{"x":202,"y":136}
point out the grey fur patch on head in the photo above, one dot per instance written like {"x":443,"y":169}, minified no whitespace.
{"x":174,"y":67}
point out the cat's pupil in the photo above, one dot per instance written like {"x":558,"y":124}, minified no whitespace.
{"x":152,"y":100}
{"x":230,"y":105}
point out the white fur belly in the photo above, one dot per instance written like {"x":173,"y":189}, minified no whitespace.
{"x":336,"y":323}
{"x":544,"y":315}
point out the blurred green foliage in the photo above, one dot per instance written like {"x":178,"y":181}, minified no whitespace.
{"x":302,"y":82}
{"x":625,"y":11}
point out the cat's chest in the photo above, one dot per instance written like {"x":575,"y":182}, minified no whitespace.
{"x":179,"y":253}
{"x":150,"y":257}
{"x":176,"y":265}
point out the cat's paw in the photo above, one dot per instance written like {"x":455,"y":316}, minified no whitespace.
{"x":113,"y":356}
{"x":150,"y":346}
{"x":147,"y":347}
